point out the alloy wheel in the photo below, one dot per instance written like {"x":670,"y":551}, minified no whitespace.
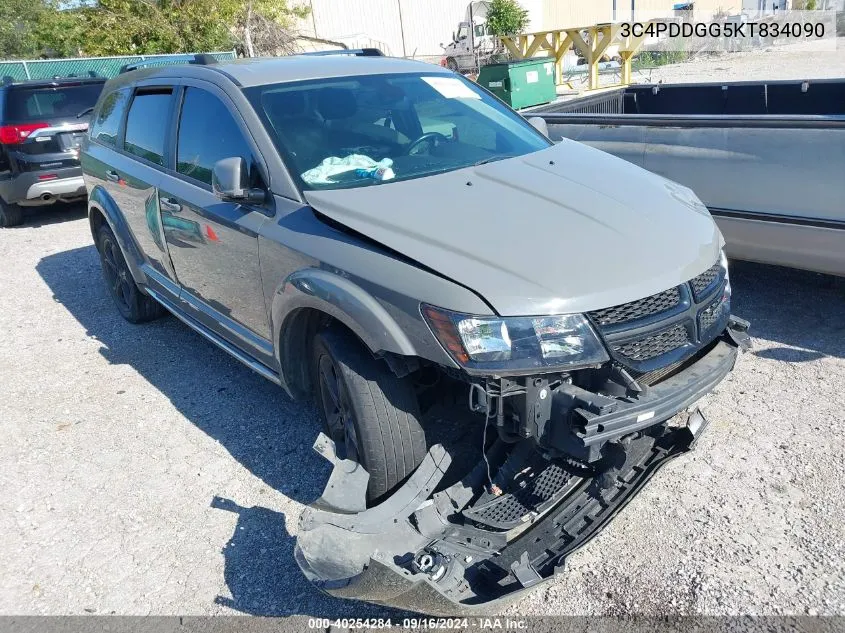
{"x":337,"y":410}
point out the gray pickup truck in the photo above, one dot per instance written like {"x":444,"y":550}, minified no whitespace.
{"x":504,"y":346}
{"x":767,"y":158}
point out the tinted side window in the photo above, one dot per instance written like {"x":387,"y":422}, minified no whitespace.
{"x":106,"y":122}
{"x":207,"y":133}
{"x":146,"y":125}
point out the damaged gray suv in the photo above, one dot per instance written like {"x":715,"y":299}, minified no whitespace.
{"x":506,"y":337}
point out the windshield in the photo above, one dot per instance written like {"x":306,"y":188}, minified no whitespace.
{"x":50,"y":102}
{"x":359,"y":131}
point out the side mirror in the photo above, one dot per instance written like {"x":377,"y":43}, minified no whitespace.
{"x":539,"y":124}
{"x":230,"y":181}
{"x":454,"y":37}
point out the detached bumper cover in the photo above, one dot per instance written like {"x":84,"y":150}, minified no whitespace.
{"x":346,"y":563}
{"x":429,"y":552}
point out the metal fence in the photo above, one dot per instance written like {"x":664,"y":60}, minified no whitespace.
{"x":20,"y":70}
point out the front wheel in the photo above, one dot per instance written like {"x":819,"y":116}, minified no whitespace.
{"x":371,"y":415}
{"x":452,"y":64}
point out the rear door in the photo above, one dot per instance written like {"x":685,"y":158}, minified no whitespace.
{"x":213,"y":244}
{"x":126,"y":157}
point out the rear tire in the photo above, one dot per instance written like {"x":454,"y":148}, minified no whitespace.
{"x":133,"y":305}
{"x":10,"y":215}
{"x":372,"y":416}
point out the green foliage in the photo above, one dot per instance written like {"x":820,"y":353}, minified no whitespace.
{"x":32,"y":28}
{"x":16,"y":36}
{"x":506,"y":17}
{"x":651,"y":59}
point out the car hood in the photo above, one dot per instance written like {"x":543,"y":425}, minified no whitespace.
{"x":565,"y":229}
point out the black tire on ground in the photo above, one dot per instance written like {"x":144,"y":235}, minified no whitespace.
{"x":133,"y":305}
{"x":451,"y":64}
{"x":372,"y":416}
{"x":10,"y":215}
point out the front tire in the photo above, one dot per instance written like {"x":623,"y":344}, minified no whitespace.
{"x":10,"y":215}
{"x":370,"y":414}
{"x":133,"y":305}
{"x":452,"y":64}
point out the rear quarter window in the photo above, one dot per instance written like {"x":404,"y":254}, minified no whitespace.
{"x":105,"y":124}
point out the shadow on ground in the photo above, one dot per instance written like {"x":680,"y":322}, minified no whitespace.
{"x":801,"y":313}
{"x":253,"y":419}
{"x":271,"y":436}
{"x":52,"y":214}
{"x":263,"y":577}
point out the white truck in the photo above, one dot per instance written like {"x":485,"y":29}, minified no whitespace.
{"x":473,"y":42}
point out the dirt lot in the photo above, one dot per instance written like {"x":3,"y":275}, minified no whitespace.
{"x":793,"y":61}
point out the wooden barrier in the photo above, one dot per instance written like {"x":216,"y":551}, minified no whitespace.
{"x":599,"y":37}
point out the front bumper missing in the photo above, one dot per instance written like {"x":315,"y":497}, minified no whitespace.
{"x":450,"y":551}
{"x":365,"y":555}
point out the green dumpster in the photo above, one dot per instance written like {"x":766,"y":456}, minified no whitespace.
{"x":520,"y":83}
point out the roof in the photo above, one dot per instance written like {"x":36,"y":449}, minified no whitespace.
{"x":260,"y":71}
{"x":254,"y":72}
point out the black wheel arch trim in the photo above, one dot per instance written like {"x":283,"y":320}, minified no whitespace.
{"x":99,"y":202}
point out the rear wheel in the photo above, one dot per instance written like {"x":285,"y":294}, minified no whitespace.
{"x":10,"y":215}
{"x":370,"y":414}
{"x":133,"y":305}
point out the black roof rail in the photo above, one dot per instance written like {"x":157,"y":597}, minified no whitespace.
{"x":356,"y":52}
{"x":201,"y":59}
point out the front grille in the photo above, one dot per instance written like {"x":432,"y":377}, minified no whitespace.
{"x":706,"y":281}
{"x":647,"y":334}
{"x":639,"y":309}
{"x":711,"y":314}
{"x":654,"y":344}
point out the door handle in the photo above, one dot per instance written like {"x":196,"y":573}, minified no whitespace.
{"x":170,"y":205}
{"x":112,"y":175}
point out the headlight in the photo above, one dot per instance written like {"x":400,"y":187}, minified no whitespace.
{"x":563,"y":341}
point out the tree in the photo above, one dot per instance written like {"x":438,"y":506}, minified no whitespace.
{"x":16,"y":35}
{"x":136,"y":27}
{"x":506,"y":17}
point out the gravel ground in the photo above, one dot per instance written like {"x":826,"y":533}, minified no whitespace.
{"x":784,"y":61}
{"x":791,"y":61}
{"x":145,"y":472}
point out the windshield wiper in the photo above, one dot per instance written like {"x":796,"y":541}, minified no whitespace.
{"x":491,"y":159}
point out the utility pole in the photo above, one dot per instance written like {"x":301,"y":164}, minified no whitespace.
{"x":401,"y":27}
